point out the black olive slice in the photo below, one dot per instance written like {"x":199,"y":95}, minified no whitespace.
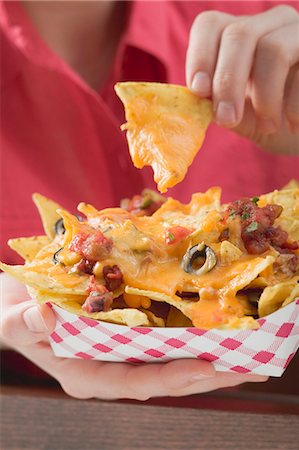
{"x":187,"y":295}
{"x":192,"y":258}
{"x":59,"y":227}
{"x":55,"y":256}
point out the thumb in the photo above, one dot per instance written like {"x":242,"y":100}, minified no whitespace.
{"x":248,"y":127}
{"x":27,"y":323}
{"x":280,"y":142}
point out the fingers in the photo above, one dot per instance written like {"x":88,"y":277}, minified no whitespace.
{"x":165,"y":379}
{"x":14,"y":290}
{"x":292,"y":101}
{"x":221,"y":380}
{"x":276,"y":53}
{"x":26,"y":323}
{"x":178,"y":378}
{"x":119,"y":380}
{"x":226,"y":50}
{"x":109,"y":381}
{"x":240,"y":42}
{"x":203,"y":50}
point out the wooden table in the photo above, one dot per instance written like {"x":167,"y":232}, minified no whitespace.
{"x":255,"y":416}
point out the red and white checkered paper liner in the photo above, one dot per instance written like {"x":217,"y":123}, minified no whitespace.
{"x":266,"y":351}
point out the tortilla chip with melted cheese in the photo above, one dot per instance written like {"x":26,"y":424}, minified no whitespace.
{"x":166,"y":126}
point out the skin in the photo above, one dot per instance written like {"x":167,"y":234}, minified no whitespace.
{"x":249,"y":66}
{"x":26,"y":326}
{"x":260,"y":100}
{"x":80,"y":31}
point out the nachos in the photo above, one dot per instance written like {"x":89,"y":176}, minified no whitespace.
{"x":158,"y":262}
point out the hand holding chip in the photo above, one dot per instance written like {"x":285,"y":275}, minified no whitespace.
{"x":26,"y":326}
{"x":249,"y":65}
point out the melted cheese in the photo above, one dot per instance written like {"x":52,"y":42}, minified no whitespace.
{"x":151,"y":265}
{"x":137,"y":301}
{"x":166,"y":126}
{"x":148,"y":263}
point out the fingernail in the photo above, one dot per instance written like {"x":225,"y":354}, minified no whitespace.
{"x":226,"y":114}
{"x":34,"y":320}
{"x":201,"y":84}
{"x":267,"y":126}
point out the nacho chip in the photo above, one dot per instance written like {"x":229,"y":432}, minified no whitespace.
{"x":129,"y":316}
{"x":273,"y":297}
{"x":229,"y":252}
{"x":48,"y":213}
{"x":207,"y":312}
{"x":292,"y":184}
{"x":153,"y":318}
{"x":293,"y":295}
{"x":202,"y":276}
{"x":192,"y":214}
{"x":28,"y":247}
{"x":166,"y":126}
{"x":40,"y":279}
{"x":221,"y":308}
{"x":176,"y":301}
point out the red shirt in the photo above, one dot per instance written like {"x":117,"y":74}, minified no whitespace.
{"x":63,"y":139}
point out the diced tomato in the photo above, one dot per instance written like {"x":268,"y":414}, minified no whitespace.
{"x":113,"y":277}
{"x":140,"y":205}
{"x":257,"y":230}
{"x":99,"y":298}
{"x":84,"y":266}
{"x":176,"y":234}
{"x":93,"y":247}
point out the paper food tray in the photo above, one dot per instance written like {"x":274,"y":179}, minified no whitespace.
{"x":265,"y":351}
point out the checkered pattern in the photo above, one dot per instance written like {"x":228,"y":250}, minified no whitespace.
{"x":265,"y":351}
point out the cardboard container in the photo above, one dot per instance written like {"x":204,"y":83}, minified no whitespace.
{"x":265,"y":351}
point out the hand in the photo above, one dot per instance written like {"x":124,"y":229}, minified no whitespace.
{"x":249,"y":65}
{"x":26,"y":327}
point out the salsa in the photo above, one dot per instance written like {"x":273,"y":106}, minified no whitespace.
{"x":258,"y":232}
{"x":93,"y":247}
{"x":99,"y":298}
